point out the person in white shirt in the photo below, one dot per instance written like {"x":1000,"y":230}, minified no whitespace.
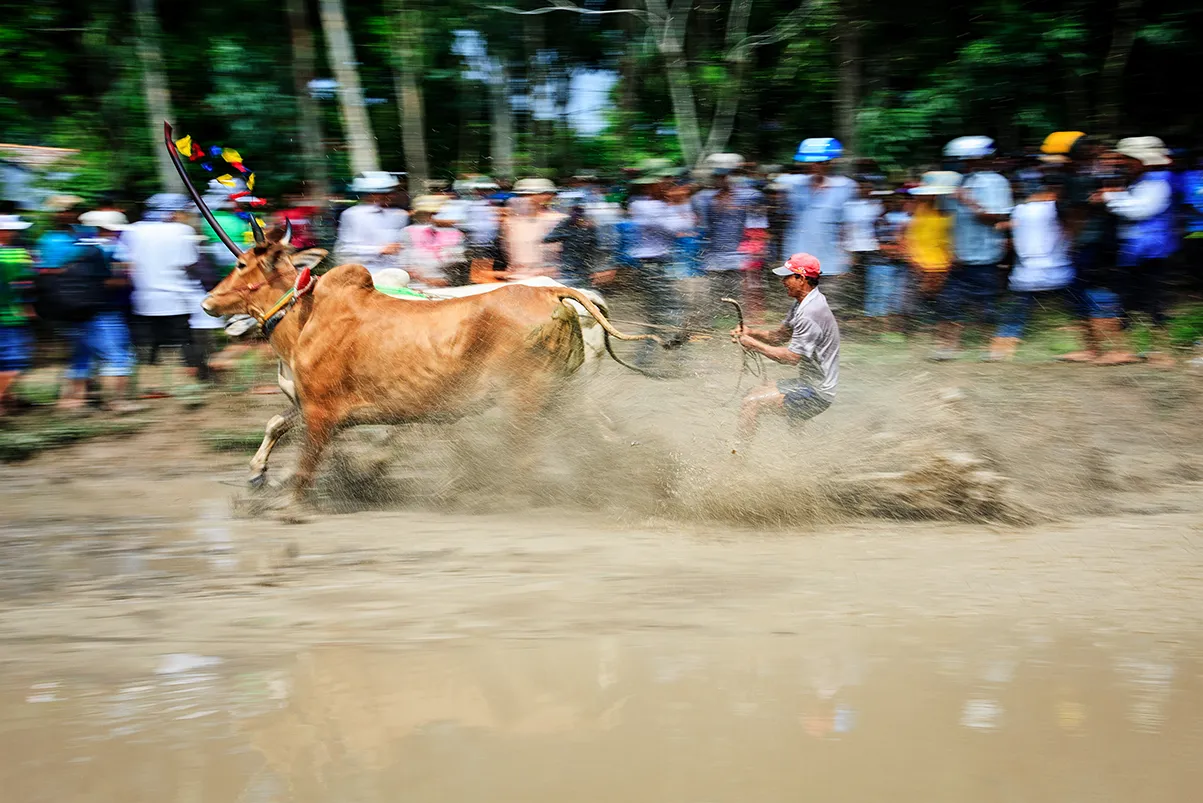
{"x":809,"y":337}
{"x":160,"y":250}
{"x":658,"y":225}
{"x":369,"y":233}
{"x":816,"y":204}
{"x":1043,"y":269}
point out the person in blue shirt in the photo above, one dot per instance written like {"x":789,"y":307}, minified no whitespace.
{"x":983,"y":201}
{"x":1192,"y":220}
{"x":1145,"y":213}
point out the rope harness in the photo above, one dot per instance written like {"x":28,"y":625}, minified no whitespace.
{"x":751,"y":362}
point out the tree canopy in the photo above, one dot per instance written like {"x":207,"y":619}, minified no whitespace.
{"x":893,"y":80}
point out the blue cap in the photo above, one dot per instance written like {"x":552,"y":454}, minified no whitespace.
{"x":819,"y":149}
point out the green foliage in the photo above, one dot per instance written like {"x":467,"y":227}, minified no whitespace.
{"x":70,"y":76}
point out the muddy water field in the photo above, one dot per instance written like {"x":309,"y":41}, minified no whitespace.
{"x":963,"y":581}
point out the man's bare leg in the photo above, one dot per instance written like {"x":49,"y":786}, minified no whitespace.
{"x":758,"y":401}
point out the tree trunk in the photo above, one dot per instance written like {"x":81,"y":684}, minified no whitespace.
{"x":670,"y":41}
{"x":737,"y":56}
{"x":356,"y":125}
{"x":407,"y":34}
{"x":503,"y":124}
{"x":316,"y":176}
{"x":628,"y":72}
{"x":1123,"y":36}
{"x":848,"y":97}
{"x":154,"y":86}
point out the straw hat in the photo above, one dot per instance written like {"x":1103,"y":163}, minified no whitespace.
{"x":429,"y":203}
{"x":534,"y":186}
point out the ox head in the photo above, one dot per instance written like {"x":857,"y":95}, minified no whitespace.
{"x":263,"y":272}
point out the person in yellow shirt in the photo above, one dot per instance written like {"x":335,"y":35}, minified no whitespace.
{"x":928,"y":238}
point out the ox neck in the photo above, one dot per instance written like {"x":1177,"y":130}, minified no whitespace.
{"x":283,"y":336}
{"x":275,"y":316}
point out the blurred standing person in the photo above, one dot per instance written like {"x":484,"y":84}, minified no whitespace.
{"x":1093,"y":251}
{"x":16,"y":308}
{"x":816,"y":202}
{"x":722,"y":218}
{"x":304,"y":214}
{"x":579,"y":252}
{"x":657,"y":225}
{"x":369,"y":233}
{"x":860,"y":217}
{"x":983,"y":201}
{"x":428,"y":251}
{"x":1192,"y":192}
{"x":528,"y":221}
{"x":1043,"y":267}
{"x":482,"y":223}
{"x":886,"y":274}
{"x":1144,"y":210}
{"x":162,"y":250}
{"x":927,"y":241}
{"x":102,"y":345}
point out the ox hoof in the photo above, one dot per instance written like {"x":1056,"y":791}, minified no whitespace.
{"x":257,"y":481}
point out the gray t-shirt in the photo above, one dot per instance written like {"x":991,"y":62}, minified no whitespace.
{"x":816,"y":339}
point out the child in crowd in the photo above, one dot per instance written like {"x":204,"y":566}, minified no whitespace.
{"x":928,"y":237}
{"x":1042,"y":271}
{"x":886,"y":275}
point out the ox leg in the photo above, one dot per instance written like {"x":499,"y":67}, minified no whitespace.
{"x":319,"y":429}
{"x":277,"y":427}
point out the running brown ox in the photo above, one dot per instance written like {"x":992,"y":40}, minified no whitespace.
{"x":353,"y":355}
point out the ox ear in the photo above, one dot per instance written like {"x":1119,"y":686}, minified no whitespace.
{"x":309,"y":258}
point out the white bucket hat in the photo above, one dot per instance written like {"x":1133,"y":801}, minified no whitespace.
{"x":938,"y":182}
{"x":374,"y":181}
{"x":969,"y":148}
{"x":108,"y":219}
{"x":1149,"y":151}
{"x":13,"y":223}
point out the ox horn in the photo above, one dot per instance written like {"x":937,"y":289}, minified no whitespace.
{"x":226,"y":240}
{"x":260,"y":237}
{"x":286,"y":238}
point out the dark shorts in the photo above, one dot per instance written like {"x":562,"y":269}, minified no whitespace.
{"x":156,"y":332}
{"x":16,"y":348}
{"x":801,"y":400}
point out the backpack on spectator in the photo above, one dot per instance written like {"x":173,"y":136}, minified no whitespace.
{"x":77,"y":293}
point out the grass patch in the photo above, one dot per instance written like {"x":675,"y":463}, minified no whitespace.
{"x":21,"y":444}
{"x":224,"y":441}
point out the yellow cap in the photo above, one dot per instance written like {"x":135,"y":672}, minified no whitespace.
{"x":1059,"y":142}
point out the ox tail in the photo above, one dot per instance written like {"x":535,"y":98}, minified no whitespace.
{"x":586,"y":302}
{"x":610,"y":332}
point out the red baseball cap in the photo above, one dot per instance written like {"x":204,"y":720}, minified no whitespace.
{"x":803,"y":265}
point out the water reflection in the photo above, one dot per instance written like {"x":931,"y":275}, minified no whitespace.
{"x":615,"y":719}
